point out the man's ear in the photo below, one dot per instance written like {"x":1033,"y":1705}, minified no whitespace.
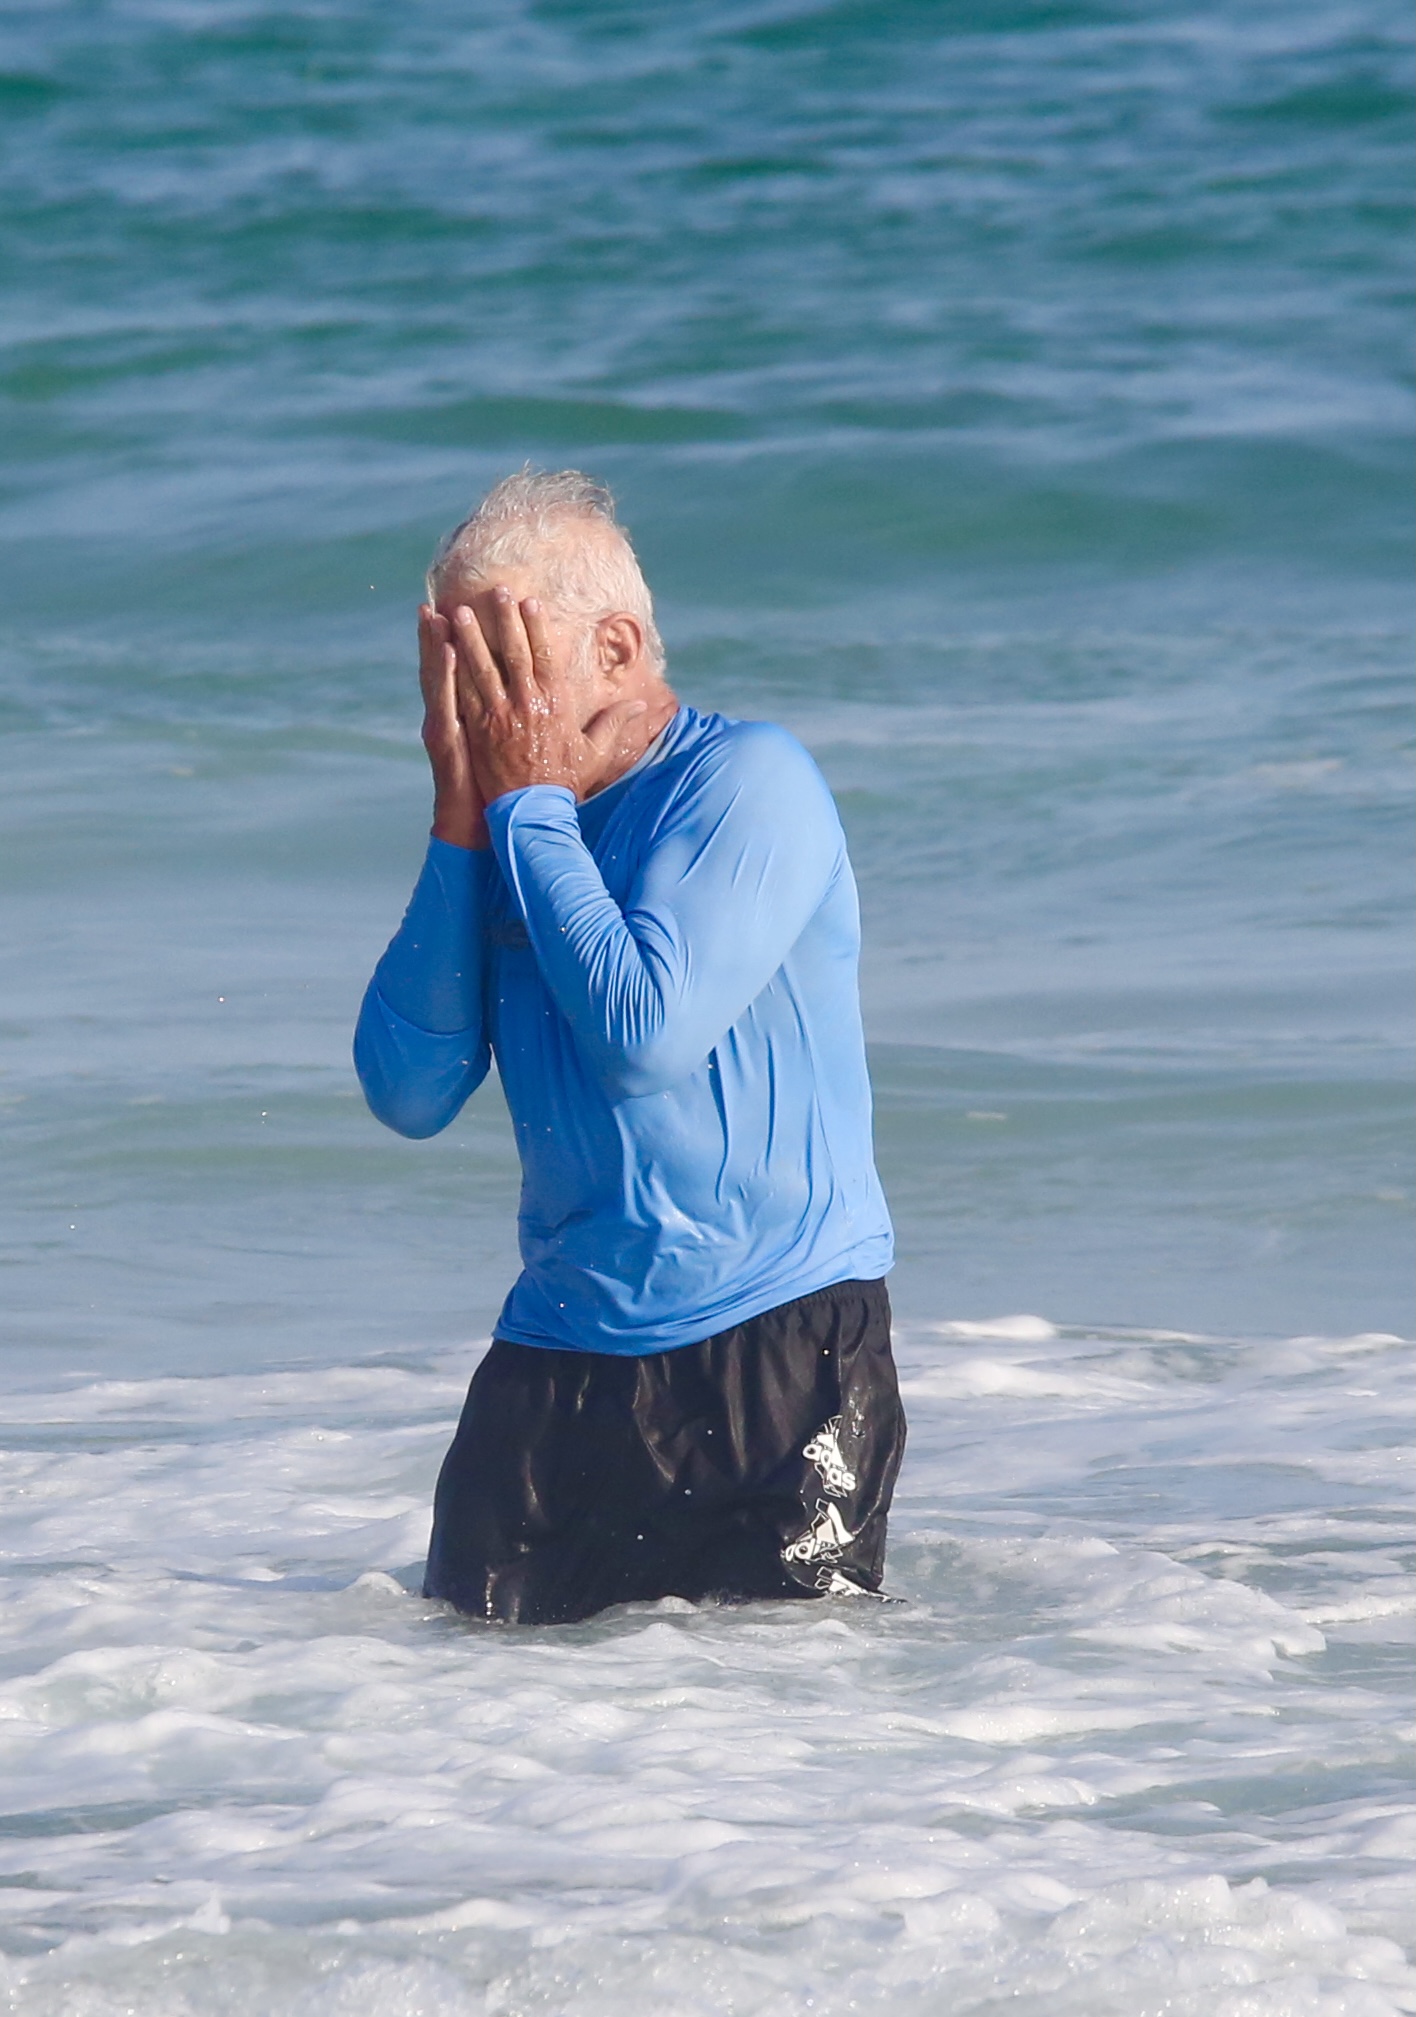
{"x":620,"y":640}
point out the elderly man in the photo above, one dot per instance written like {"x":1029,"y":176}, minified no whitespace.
{"x":646,"y":916}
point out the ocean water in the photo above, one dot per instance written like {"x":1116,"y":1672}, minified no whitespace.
{"x":1014,"y":399}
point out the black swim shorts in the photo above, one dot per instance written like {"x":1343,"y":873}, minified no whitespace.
{"x":759,"y":1463}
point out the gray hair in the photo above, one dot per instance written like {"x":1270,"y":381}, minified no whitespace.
{"x":539,"y":519}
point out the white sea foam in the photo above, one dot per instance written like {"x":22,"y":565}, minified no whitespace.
{"x":1120,"y":1750}
{"x":1019,"y":1330}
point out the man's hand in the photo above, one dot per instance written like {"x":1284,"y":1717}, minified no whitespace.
{"x":522,"y":717}
{"x":457,"y":800}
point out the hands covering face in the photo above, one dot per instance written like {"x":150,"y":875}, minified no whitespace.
{"x":498,"y":715}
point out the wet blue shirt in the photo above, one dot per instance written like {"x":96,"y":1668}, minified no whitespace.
{"x":666,"y":977}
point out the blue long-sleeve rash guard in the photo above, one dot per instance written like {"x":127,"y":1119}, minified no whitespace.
{"x":666,"y":976}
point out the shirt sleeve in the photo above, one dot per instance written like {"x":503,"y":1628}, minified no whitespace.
{"x":420,"y":1047}
{"x":740,"y":861}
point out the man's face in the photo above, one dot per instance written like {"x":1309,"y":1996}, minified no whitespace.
{"x":480,"y":596}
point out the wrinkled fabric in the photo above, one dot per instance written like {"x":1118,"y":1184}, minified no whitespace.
{"x":759,"y":1463}
{"x":666,"y":977}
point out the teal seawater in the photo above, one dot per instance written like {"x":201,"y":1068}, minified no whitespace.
{"x":1013,"y":399}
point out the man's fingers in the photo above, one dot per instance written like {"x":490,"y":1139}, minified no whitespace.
{"x":434,"y":659}
{"x":605,"y":731}
{"x":514,"y":649}
{"x":538,"y":639}
{"x":480,"y":689}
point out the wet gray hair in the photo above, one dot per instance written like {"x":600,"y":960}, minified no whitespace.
{"x":561,"y":523}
